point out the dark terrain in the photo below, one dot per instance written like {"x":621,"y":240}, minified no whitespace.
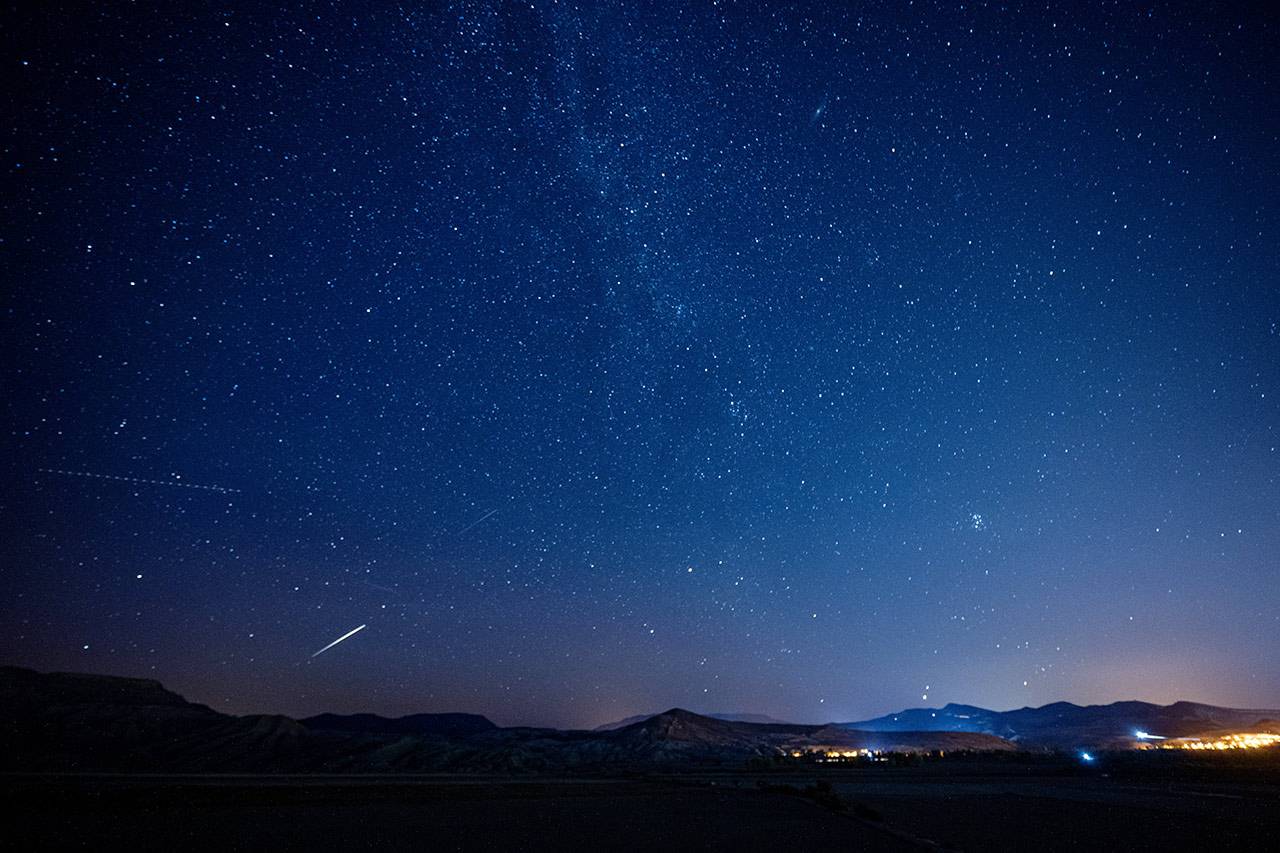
{"x":373,"y":813}
{"x":981,"y":804}
{"x":92,"y":723}
{"x":1063,"y":725}
{"x":97,"y":762}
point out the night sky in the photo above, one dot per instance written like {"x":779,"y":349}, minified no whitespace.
{"x":609,"y":357}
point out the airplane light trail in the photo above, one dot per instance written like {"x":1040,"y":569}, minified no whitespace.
{"x":339,"y":640}
{"x":136,"y":480}
{"x":477,"y":521}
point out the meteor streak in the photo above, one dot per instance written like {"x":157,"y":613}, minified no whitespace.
{"x":339,"y":640}
{"x":223,"y":489}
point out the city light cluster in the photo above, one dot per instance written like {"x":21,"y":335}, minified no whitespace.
{"x":835,"y":754}
{"x":849,"y":753}
{"x":1250,"y":740}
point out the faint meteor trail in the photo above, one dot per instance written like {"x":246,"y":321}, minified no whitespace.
{"x":91,"y":475}
{"x":474,"y":523}
{"x":339,"y":640}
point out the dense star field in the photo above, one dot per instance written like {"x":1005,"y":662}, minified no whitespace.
{"x":607,"y":357}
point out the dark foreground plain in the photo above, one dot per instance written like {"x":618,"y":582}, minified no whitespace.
{"x":430,"y":815}
{"x":1137,"y":804}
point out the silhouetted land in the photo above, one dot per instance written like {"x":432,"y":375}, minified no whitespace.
{"x":103,"y":763}
{"x":1150,"y":802}
{"x":398,"y":814}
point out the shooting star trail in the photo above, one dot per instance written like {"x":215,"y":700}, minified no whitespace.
{"x":91,"y":475}
{"x":339,"y":640}
{"x":474,"y":523}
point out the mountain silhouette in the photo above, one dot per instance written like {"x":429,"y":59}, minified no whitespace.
{"x":734,"y":717}
{"x":414,"y":724}
{"x":1066,"y":725}
{"x":79,"y":723}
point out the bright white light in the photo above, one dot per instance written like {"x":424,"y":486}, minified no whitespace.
{"x":340,"y":639}
{"x":1084,"y":756}
{"x":1141,"y":735}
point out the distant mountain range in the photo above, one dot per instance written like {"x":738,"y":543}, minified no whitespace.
{"x":1064,"y":725}
{"x":1060,"y":725}
{"x":763,"y":719}
{"x":73,"y":722}
{"x":447,"y":725}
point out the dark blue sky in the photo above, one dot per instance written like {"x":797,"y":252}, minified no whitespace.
{"x":611,"y":357}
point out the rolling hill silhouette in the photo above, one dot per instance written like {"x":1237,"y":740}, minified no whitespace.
{"x":1065,"y":725}
{"x":76,"y":722}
